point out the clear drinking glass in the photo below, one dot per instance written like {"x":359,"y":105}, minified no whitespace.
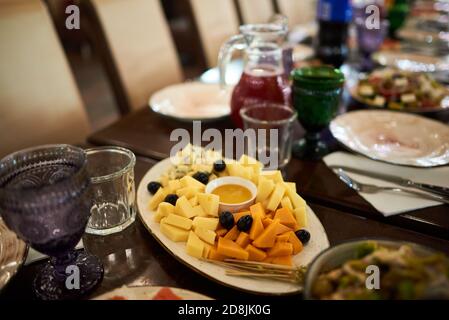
{"x":44,"y":199}
{"x":266,"y":117}
{"x":111,"y":170}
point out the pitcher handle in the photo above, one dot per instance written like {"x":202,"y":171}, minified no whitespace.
{"x":237,"y":42}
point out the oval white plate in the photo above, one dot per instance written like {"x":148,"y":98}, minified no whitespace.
{"x":394,"y":137}
{"x":411,"y":61}
{"x":192,"y":101}
{"x":318,"y":243}
{"x":148,"y":293}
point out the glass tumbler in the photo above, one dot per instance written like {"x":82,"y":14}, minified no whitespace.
{"x":266,"y":119}
{"x":111,"y":170}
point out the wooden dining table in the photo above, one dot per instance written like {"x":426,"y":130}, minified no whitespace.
{"x":134,"y":258}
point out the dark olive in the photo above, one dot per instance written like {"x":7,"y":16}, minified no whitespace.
{"x":219,"y":166}
{"x":303,"y":236}
{"x":202,"y":177}
{"x":227,"y":220}
{"x":153,"y":187}
{"x":245,"y":223}
{"x":172,"y":199}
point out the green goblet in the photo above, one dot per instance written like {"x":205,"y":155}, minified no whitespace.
{"x":316,"y":97}
{"x":397,"y":15}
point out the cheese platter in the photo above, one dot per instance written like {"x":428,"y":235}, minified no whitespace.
{"x":183,"y":206}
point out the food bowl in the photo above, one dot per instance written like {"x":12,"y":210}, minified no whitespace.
{"x":233,"y":181}
{"x":336,"y":256}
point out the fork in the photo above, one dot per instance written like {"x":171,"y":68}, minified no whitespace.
{"x":369,"y":188}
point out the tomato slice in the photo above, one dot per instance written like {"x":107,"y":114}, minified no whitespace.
{"x":388,"y":93}
{"x":427,"y":103}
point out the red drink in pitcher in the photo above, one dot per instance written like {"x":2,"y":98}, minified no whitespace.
{"x":260,"y":84}
{"x":264,"y":79}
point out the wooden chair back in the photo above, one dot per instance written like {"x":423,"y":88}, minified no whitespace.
{"x":134,"y":40}
{"x":39,"y":100}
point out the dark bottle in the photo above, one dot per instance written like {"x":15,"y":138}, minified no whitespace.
{"x":334,"y":17}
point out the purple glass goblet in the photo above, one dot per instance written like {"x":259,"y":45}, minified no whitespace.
{"x":370,"y":33}
{"x":369,"y":41}
{"x":45,"y":199}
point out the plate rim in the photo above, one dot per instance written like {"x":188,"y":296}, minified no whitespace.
{"x":24,"y":248}
{"x":195,"y":269}
{"x":205,"y":297}
{"x":440,"y":59}
{"x":187,"y":119}
{"x":332,"y":130}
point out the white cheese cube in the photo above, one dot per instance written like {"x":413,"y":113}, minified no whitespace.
{"x":195,"y":247}
{"x":408,"y":98}
{"x":366,"y":90}
{"x":205,"y":223}
{"x":179,"y":222}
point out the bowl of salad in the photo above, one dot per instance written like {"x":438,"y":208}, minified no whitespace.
{"x":393,"y":89}
{"x":378,"y":270}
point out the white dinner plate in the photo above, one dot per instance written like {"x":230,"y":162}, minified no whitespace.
{"x":192,"y":101}
{"x":148,"y":293}
{"x":411,"y":61}
{"x":318,"y":243}
{"x":394,"y":137}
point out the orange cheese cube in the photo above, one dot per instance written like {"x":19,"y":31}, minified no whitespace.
{"x":257,"y":210}
{"x":232,"y":234}
{"x":283,"y":229}
{"x":268,"y":260}
{"x":256,"y":228}
{"x":281,"y":249}
{"x":283,"y":237}
{"x":285,"y":260}
{"x":221,"y":232}
{"x":214,"y":255}
{"x":286,"y":217}
{"x":255,"y":254}
{"x":266,"y":222}
{"x":297,"y":244}
{"x":243,"y":239}
{"x":268,"y":237}
{"x":231,"y":249}
{"x":238,"y":215}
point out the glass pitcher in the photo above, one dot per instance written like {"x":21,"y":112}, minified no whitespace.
{"x":263,"y":79}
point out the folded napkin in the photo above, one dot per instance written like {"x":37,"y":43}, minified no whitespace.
{"x":34,"y":256}
{"x":390,"y":203}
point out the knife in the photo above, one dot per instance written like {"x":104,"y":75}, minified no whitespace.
{"x":441,"y":191}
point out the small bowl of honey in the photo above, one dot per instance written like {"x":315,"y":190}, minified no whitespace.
{"x":235,"y":193}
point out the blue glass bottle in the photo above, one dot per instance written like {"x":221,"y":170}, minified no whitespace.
{"x":334,"y":17}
